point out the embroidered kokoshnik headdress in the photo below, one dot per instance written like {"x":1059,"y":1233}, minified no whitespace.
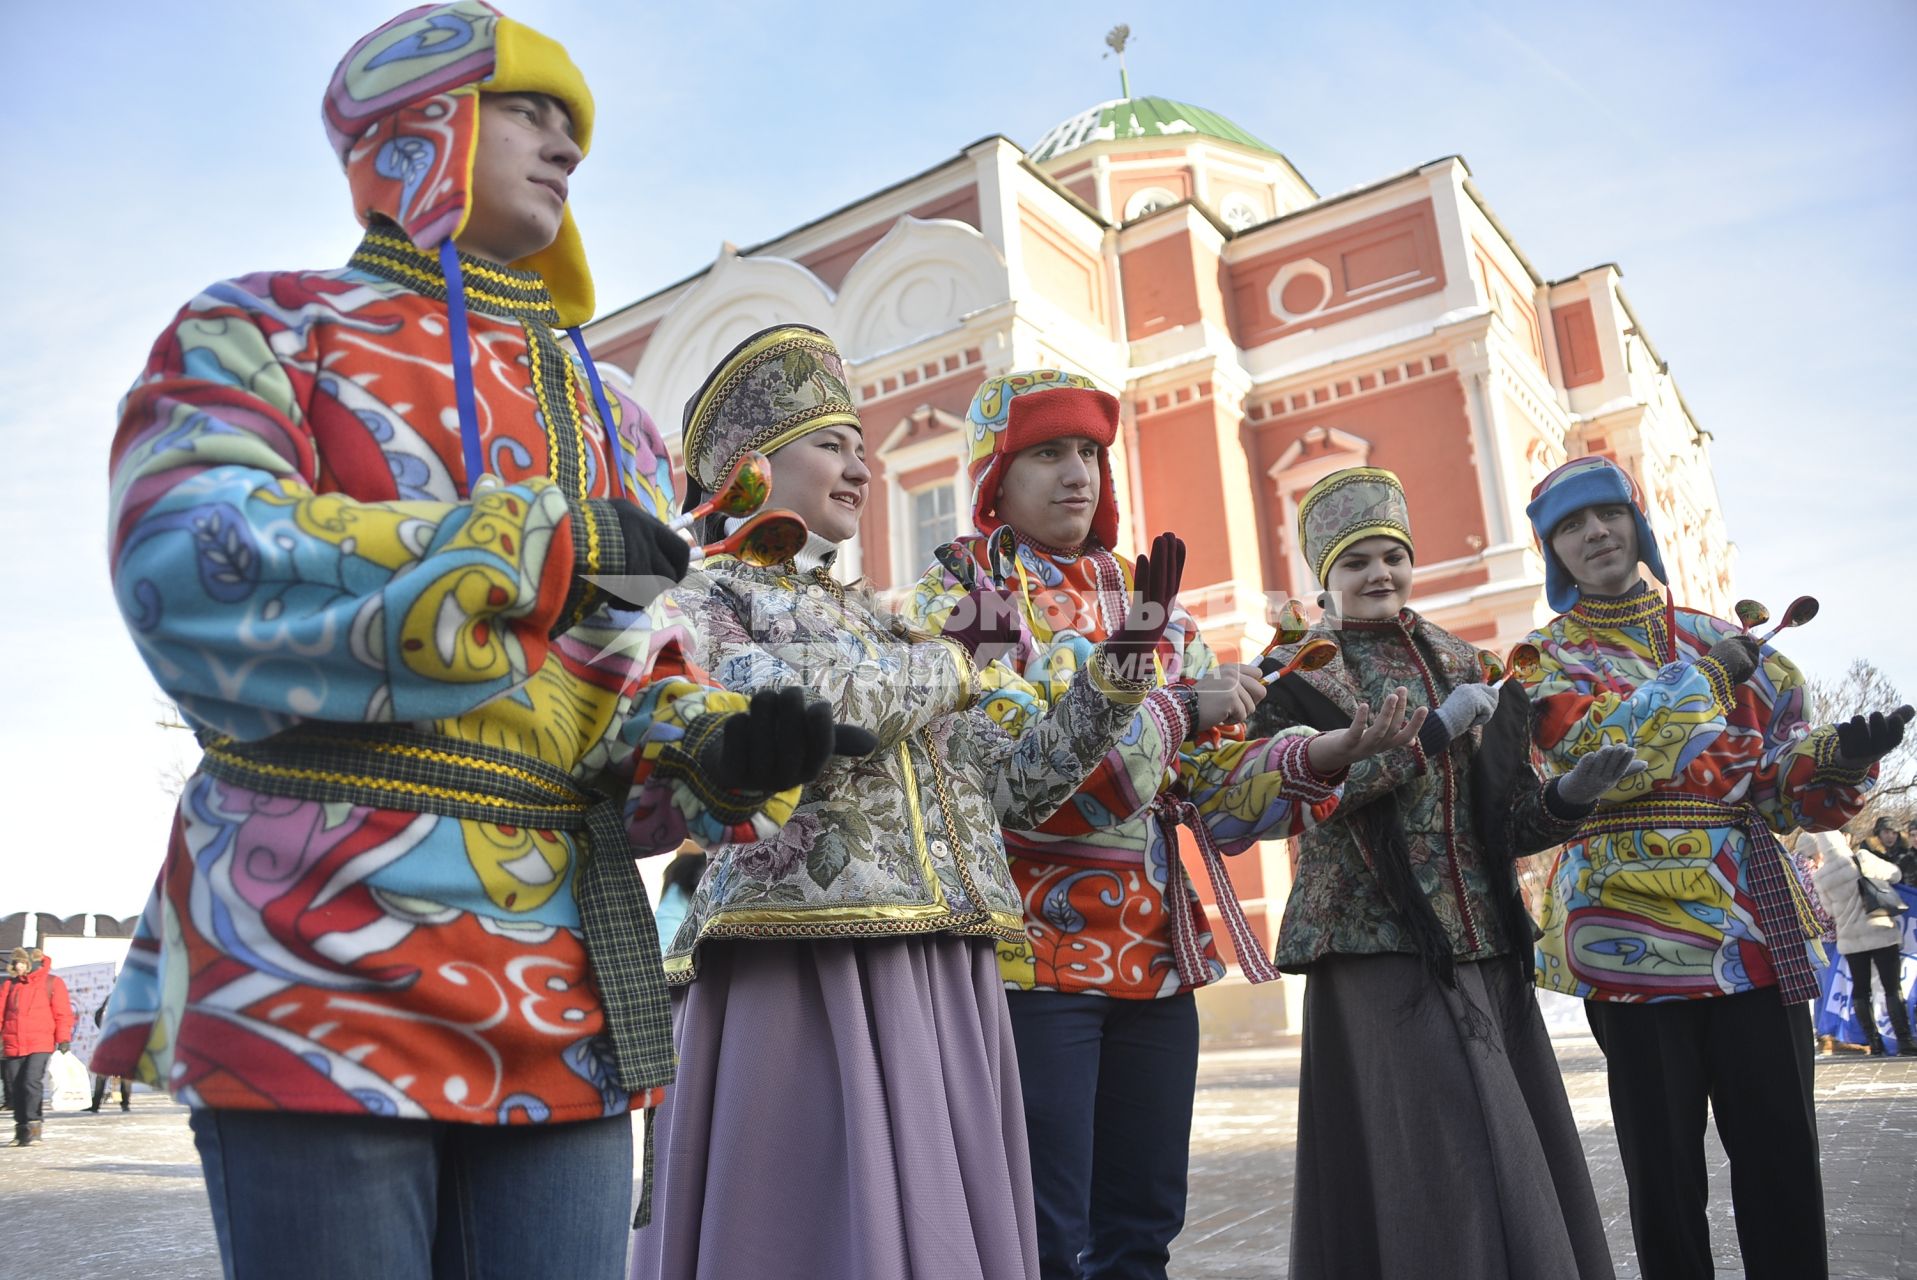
{"x":1345,"y":508}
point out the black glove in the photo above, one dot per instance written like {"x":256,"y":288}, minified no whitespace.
{"x":65,"y":1046}
{"x":655,"y":556}
{"x":984,"y":622}
{"x":780,"y":741}
{"x":1155,"y":577}
{"x":1863,"y":741}
{"x":1737,"y":655}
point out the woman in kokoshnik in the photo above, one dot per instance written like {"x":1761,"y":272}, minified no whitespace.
{"x":1434,"y":1135}
{"x":847,"y":1102}
{"x":1116,"y":939}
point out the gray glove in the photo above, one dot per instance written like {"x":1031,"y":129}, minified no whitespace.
{"x":1597,"y":772}
{"x":1467,"y":707}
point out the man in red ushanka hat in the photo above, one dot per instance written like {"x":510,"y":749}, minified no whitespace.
{"x":1109,"y":909}
{"x":378,"y":534}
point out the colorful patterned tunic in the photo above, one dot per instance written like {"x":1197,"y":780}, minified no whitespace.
{"x":1665,"y":908}
{"x":1337,"y":905}
{"x":291,"y":547}
{"x":1093,"y":877}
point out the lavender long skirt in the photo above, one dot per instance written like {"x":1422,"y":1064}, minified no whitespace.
{"x":844,"y":1110}
{"x":1435,"y":1140}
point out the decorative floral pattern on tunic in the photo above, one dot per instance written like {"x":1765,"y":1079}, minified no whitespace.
{"x":905,"y":840}
{"x":1093,"y":877}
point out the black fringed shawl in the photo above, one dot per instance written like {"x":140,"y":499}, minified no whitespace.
{"x":1499,"y":764}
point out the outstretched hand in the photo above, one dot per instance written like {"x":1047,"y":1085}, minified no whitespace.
{"x":1862,"y":741}
{"x":1596,"y":772}
{"x":1368,"y":734}
{"x":1155,"y":577}
{"x":781,"y":740}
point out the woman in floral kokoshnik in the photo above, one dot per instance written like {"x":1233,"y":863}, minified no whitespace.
{"x":398,"y":960}
{"x":1434,"y":1136}
{"x":1674,"y":915}
{"x":847,"y":1102}
{"x":1116,"y":942}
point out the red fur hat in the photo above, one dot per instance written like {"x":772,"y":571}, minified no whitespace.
{"x":1018,"y":410}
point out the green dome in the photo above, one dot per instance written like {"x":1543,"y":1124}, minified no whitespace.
{"x":1139,"y":118}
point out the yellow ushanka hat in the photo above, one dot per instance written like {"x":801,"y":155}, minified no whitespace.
{"x":402,"y":113}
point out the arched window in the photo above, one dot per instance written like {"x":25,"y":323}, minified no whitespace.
{"x":1239,"y":211}
{"x":1307,"y":460}
{"x":1149,"y":200}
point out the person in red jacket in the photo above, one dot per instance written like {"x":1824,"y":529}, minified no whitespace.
{"x":37,"y":1019}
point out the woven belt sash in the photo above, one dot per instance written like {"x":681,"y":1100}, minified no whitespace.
{"x":394,"y":767}
{"x":1188,"y":950}
{"x":1782,"y":912}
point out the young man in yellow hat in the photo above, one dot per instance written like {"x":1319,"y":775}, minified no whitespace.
{"x":381,"y":537}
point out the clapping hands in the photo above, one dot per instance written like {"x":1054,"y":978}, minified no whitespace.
{"x":1155,"y":577}
{"x":985,"y":622}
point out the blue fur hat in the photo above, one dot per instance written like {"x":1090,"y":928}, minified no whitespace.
{"x":1581,"y":483}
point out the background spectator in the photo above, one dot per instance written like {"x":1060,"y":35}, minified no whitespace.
{"x":35,"y":1020}
{"x":675,"y":894}
{"x":100,"y":1081}
{"x":1867,"y":942}
{"x":1893,"y":846}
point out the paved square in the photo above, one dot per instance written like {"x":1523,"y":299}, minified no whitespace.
{"x":119,"y":1196}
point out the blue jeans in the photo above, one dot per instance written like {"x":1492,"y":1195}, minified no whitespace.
{"x":1108,"y":1088}
{"x":306,"y":1197}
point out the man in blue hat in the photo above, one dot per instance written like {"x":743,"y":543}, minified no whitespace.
{"x":1674,"y":914}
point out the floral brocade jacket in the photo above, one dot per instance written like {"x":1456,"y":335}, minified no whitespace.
{"x":293,"y":550}
{"x":1093,"y":878}
{"x":905,"y":840}
{"x":1667,"y":910}
{"x":1337,"y":904}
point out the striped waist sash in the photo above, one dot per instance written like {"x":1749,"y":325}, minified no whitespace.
{"x":395,"y":767}
{"x":1782,"y":910}
{"x":1188,"y":952}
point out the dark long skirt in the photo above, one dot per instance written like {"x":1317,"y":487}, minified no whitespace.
{"x":843,"y":1109}
{"x":1434,"y":1136}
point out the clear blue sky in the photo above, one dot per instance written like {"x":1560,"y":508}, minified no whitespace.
{"x":1750,"y":166}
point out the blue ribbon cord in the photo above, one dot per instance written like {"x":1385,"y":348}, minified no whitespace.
{"x":461,"y":340}
{"x":615,"y":445}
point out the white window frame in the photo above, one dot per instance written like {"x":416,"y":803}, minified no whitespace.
{"x":1159,"y":198}
{"x":1253,"y":215}
{"x":949,"y":444}
{"x":923,"y":554}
